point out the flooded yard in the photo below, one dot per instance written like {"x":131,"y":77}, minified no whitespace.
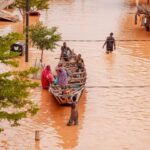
{"x":115,"y":106}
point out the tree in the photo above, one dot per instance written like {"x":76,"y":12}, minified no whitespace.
{"x":34,"y":5}
{"x":44,"y":38}
{"x":14,"y":85}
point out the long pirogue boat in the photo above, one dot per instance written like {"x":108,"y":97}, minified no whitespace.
{"x":76,"y":82}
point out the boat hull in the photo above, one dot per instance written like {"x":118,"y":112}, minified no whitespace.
{"x":76,"y":82}
{"x":64,"y":100}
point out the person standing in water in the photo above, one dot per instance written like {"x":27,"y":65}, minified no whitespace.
{"x":74,"y":113}
{"x":110,"y":43}
{"x":46,"y":77}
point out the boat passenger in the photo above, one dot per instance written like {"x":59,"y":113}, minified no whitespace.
{"x":110,"y":44}
{"x":65,"y":52}
{"x":80,"y":62}
{"x":62,"y":76}
{"x":74,"y":113}
{"x":57,"y":72}
{"x":46,"y":77}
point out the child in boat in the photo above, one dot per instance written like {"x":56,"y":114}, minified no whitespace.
{"x":74,"y":113}
{"x":56,"y":73}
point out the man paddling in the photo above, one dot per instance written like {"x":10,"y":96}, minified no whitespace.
{"x":110,"y":43}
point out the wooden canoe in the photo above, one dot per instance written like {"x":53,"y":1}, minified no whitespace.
{"x":76,"y":83}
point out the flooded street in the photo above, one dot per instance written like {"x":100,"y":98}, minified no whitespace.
{"x":114,"y":110}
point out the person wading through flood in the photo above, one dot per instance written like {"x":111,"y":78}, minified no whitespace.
{"x":65,"y":52}
{"x":46,"y":77}
{"x":110,"y":44}
{"x":74,"y":113}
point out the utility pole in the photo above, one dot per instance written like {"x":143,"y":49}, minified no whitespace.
{"x":27,"y":30}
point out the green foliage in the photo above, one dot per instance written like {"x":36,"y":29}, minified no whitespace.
{"x":33,"y":4}
{"x":44,"y":38}
{"x":5,"y":43}
{"x":7,"y":40}
{"x":14,"y":86}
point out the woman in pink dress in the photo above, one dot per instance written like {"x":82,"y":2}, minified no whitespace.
{"x":62,"y":77}
{"x":47,"y":77}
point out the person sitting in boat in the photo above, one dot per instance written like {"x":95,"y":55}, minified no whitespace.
{"x":74,"y":112}
{"x":62,"y":76}
{"x":80,"y":62}
{"x":65,"y":52}
{"x":46,"y":77}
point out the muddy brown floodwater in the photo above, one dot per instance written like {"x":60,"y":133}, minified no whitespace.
{"x":114,"y":109}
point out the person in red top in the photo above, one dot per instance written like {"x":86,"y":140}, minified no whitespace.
{"x":47,"y":77}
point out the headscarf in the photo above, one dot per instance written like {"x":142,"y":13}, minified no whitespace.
{"x":46,"y":77}
{"x":48,"y":68}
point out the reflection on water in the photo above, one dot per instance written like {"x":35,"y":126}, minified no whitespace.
{"x":135,"y":32}
{"x":51,"y":122}
{"x":137,"y":2}
{"x":114,"y":114}
{"x":51,"y":114}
